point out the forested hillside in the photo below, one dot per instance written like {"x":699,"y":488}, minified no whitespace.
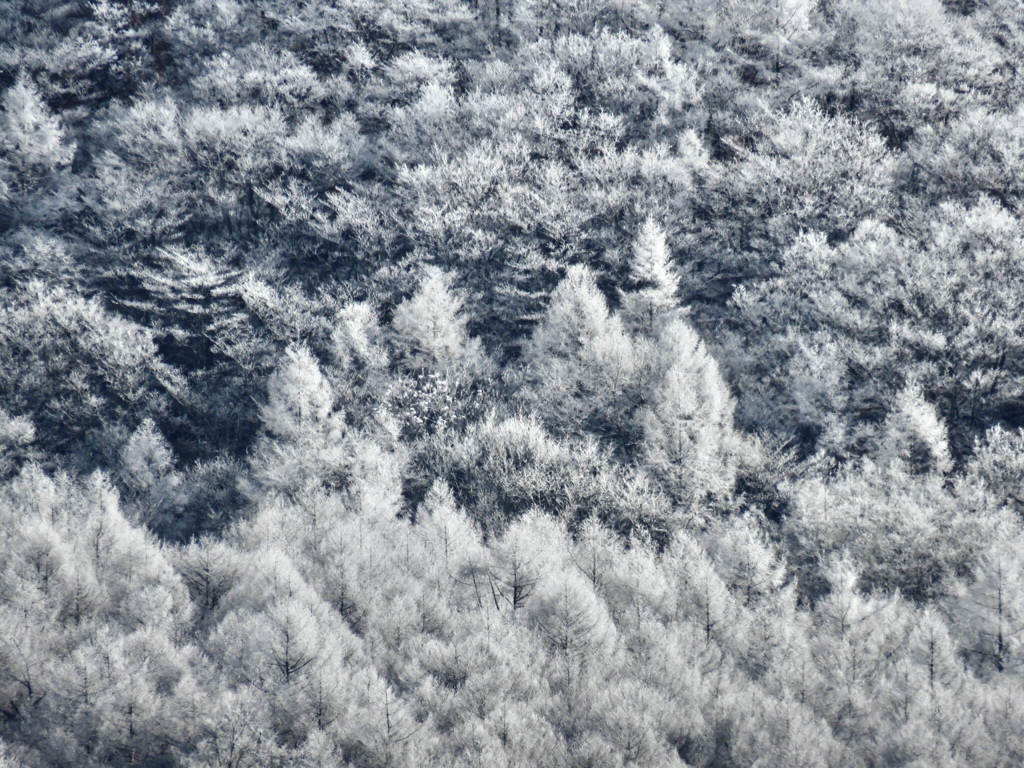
{"x":604,"y":383}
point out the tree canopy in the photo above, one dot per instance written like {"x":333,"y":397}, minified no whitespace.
{"x":511,"y":383}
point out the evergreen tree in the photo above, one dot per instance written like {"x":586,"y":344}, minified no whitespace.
{"x":652,"y":301}
{"x":34,"y":146}
{"x":430,"y":328}
{"x":991,"y":611}
{"x":914,"y":435}
{"x":688,"y":442}
{"x":579,"y":365}
{"x":305,"y":442}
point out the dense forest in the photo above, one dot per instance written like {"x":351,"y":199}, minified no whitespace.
{"x":538,"y":383}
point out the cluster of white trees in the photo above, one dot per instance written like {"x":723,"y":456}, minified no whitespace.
{"x":327,"y":630}
{"x":588,"y":605}
{"x":508,"y":382}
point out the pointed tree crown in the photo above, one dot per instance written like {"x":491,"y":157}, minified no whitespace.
{"x":29,"y":133}
{"x":299,"y":398}
{"x":915,"y":435}
{"x":430,"y":326}
{"x":655,"y":282}
{"x":576,"y":314}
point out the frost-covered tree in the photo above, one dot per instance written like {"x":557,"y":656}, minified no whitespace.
{"x":688,"y":442}
{"x":34,"y":146}
{"x":914,"y":435}
{"x":770,"y":32}
{"x":998,"y":466}
{"x":990,"y":610}
{"x":902,"y":531}
{"x":16,"y":435}
{"x":654,"y":283}
{"x":305,"y":442}
{"x":580,"y":364}
{"x":746,"y":562}
{"x":430,"y":328}
{"x":150,"y":479}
